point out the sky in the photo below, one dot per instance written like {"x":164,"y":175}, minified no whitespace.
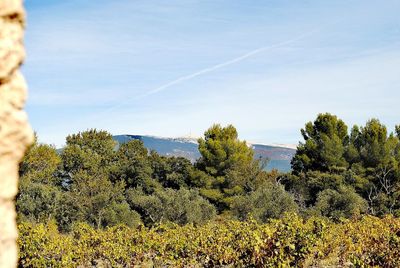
{"x":173,"y":68}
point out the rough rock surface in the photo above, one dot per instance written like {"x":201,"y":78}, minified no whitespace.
{"x":15,"y":132}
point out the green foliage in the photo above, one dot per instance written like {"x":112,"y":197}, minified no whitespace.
{"x":221,"y":150}
{"x":324,"y":147}
{"x":378,"y":162}
{"x":368,"y":160}
{"x":38,"y":198}
{"x":397,"y":130}
{"x":40,"y":164}
{"x":91,"y":150}
{"x":37,"y":202}
{"x":133,"y":165}
{"x":343,"y":203}
{"x":172,"y":172}
{"x":372,"y":144}
{"x":309,"y":185}
{"x":268,"y":201}
{"x":99,"y":202}
{"x":249,"y":177}
{"x":179,"y":206}
{"x":229,"y":164}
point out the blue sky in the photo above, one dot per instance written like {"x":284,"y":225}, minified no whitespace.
{"x":171,"y":68}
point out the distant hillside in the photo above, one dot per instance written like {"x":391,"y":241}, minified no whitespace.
{"x":280,"y":157}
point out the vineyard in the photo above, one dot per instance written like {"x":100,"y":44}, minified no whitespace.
{"x":287,"y":242}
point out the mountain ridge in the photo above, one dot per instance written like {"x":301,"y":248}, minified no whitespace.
{"x":279,"y":156}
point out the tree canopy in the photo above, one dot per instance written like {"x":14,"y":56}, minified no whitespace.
{"x":336,"y":174}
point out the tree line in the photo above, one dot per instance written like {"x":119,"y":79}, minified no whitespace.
{"x":336,"y":173}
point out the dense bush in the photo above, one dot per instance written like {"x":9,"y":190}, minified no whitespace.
{"x":269,"y":201}
{"x":179,"y":206}
{"x":344,"y":203}
{"x":290,"y":241}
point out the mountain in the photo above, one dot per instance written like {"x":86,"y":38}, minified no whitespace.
{"x":279,"y":156}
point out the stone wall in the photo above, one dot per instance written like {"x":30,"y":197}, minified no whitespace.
{"x":15,"y":133}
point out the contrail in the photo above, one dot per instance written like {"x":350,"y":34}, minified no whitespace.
{"x":213,"y":68}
